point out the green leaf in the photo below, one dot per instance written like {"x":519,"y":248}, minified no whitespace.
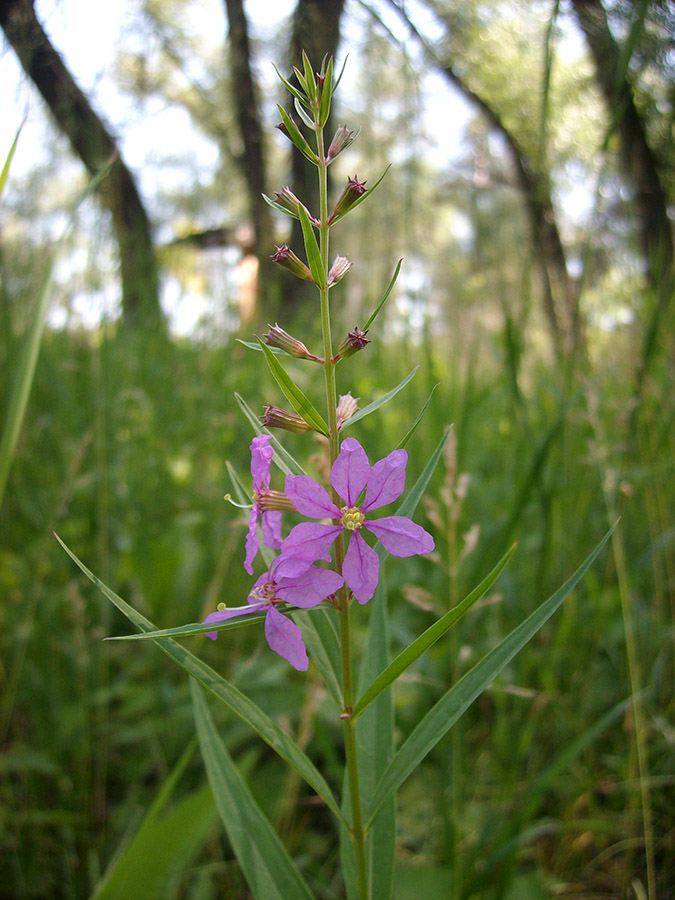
{"x":267,"y":866}
{"x":282,"y":458}
{"x":443,"y":715}
{"x":421,"y":644}
{"x":376,"y":404}
{"x":301,"y":404}
{"x":314,"y":261}
{"x":255,"y":345}
{"x":386,"y":294}
{"x":310,"y":80}
{"x":10,"y":157}
{"x":417,"y":421}
{"x":326,"y":94}
{"x":227,"y":693}
{"x":409,"y":505}
{"x":189,"y":630}
{"x":180,"y":833}
{"x":306,"y":118}
{"x":296,"y":136}
{"x":290,"y":88}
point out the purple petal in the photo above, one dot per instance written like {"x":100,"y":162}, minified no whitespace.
{"x":252,"y":540}
{"x":271,"y":529}
{"x":350,"y":471}
{"x":285,"y":638}
{"x":261,"y":461}
{"x":309,"y":588}
{"x":224,"y":614}
{"x":309,"y":498}
{"x":386,"y":480}
{"x":361,"y":568}
{"x":307,"y":542}
{"x":400,"y":536}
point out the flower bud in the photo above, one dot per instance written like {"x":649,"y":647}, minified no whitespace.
{"x":346,"y":408}
{"x":277,"y":337}
{"x":354,"y":190}
{"x":274,"y":417}
{"x":340,"y":267}
{"x":273,"y":501}
{"x":356,"y":340}
{"x":286,"y":199}
{"x":286,"y":258}
{"x":342,"y":138}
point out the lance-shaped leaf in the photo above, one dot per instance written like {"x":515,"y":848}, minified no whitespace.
{"x":296,"y":136}
{"x":443,"y":715}
{"x":267,"y":866}
{"x":386,"y":294}
{"x":291,"y":88}
{"x":301,"y":404}
{"x":314,"y":260}
{"x":376,"y":404}
{"x":420,"y":415}
{"x":421,"y":644}
{"x":227,"y":693}
{"x":326,"y":94}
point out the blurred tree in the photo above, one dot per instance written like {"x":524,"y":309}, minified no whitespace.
{"x":95,"y":146}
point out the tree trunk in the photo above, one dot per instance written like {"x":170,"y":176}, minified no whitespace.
{"x":640,"y":165}
{"x":94,"y":145}
{"x":560,"y":293}
{"x":252,"y":161}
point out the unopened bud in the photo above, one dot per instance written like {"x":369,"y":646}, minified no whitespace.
{"x":286,"y":258}
{"x":346,"y":408}
{"x":354,"y":190}
{"x":342,"y":138}
{"x":274,"y":417}
{"x":277,"y":337}
{"x":340,"y":267}
{"x":286,"y":199}
{"x":356,"y":340}
{"x":274,"y":501}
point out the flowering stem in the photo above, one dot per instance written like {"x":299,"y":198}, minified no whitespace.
{"x":358,"y":834}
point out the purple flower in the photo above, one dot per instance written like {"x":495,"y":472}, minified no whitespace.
{"x":261,"y":462}
{"x":350,"y":474}
{"x":305,"y":590}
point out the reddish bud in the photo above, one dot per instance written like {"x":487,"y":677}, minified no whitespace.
{"x":277,"y":337}
{"x":351,"y":194}
{"x":346,"y":408}
{"x":286,"y":258}
{"x":274,"y":417}
{"x":356,"y":340}
{"x":342,"y":138}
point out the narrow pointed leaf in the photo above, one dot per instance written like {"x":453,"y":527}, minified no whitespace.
{"x":296,"y":136}
{"x":314,"y":261}
{"x":243,"y":496}
{"x":413,"y":427}
{"x":443,"y":715}
{"x":301,"y":404}
{"x":384,"y":298}
{"x":306,"y":118}
{"x":282,"y":458}
{"x":414,"y":495}
{"x":290,"y":88}
{"x":421,"y":644}
{"x":320,"y":636}
{"x":10,"y":156}
{"x":189,"y":630}
{"x":267,"y":866}
{"x":227,"y":693}
{"x":376,"y":404}
{"x":326,"y":94}
{"x":310,"y":80}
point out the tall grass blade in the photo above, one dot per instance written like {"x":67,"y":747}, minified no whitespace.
{"x":269,"y":870}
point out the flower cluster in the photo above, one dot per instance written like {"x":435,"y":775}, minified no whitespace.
{"x":294,"y":579}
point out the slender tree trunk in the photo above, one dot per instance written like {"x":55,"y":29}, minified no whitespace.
{"x":253,"y":158}
{"x":640,"y":165}
{"x":560,"y":293}
{"x":94,"y":145}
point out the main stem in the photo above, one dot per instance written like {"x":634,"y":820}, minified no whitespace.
{"x":358,"y":834}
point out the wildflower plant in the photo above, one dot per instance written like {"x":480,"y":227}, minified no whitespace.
{"x":327,"y":570}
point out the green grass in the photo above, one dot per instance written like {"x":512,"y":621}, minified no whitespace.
{"x":124,"y":451}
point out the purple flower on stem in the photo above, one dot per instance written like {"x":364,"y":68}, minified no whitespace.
{"x":305,"y":590}
{"x":261,"y":463}
{"x":350,"y":474}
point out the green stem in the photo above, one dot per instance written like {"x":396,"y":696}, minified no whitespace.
{"x":351,"y":756}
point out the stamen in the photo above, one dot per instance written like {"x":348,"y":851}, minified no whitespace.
{"x":352,"y":518}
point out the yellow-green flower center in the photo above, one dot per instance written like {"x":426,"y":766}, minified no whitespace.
{"x":265,"y":593}
{"x":352,"y":518}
